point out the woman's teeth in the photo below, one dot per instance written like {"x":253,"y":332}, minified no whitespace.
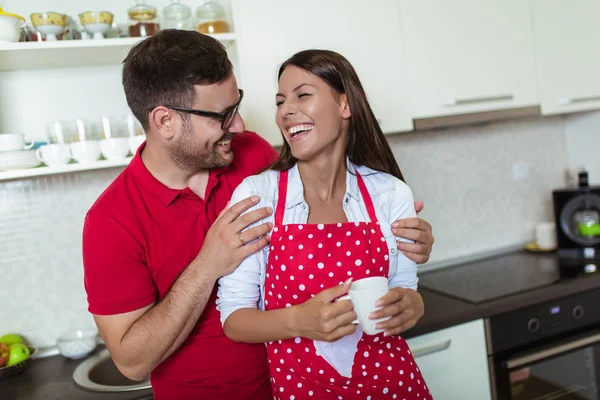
{"x":300,"y":128}
{"x":223,"y":143}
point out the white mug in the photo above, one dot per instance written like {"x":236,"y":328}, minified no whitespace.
{"x":363,"y":294}
{"x":86,"y":152}
{"x":114,"y":148}
{"x":545,"y":235}
{"x":54,"y":154}
{"x":14,"y":142}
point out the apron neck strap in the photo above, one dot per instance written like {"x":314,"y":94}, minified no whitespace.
{"x":282,"y":191}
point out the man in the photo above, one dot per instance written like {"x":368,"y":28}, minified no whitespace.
{"x":157,"y":240}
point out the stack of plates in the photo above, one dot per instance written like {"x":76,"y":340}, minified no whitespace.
{"x":18,"y":160}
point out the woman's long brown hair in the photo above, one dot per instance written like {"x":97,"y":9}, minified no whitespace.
{"x":366,"y":143}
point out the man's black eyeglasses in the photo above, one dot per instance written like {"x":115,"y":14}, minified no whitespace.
{"x":226,"y":118}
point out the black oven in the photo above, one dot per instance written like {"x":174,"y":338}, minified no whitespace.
{"x":550,"y":351}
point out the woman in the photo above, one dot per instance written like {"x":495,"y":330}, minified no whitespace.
{"x":335,"y":181}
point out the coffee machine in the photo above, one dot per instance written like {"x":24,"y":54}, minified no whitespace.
{"x":577,"y":216}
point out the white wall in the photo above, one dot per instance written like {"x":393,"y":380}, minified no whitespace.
{"x":583,"y":143}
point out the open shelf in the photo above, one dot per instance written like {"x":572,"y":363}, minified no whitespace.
{"x":75,"y":167}
{"x":73,"y":53}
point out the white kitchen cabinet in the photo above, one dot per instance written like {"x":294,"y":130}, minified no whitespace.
{"x":368,"y":34}
{"x":453,"y":362}
{"x":467,"y":56}
{"x":566,"y":36}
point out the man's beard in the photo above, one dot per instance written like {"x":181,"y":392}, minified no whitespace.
{"x":190,"y":157}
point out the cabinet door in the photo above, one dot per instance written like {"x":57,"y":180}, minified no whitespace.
{"x":453,"y":362}
{"x":368,"y":34}
{"x":567,"y":36}
{"x":468,"y":55}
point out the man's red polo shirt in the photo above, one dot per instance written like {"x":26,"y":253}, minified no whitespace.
{"x":138,"y":237}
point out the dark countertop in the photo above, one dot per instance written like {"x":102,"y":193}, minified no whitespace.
{"x":52,"y":379}
{"x":444,"y":311}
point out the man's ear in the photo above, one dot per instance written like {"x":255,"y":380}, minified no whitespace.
{"x":163,"y":120}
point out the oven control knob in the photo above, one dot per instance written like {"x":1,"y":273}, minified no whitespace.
{"x":533,"y":325}
{"x":577,"y":312}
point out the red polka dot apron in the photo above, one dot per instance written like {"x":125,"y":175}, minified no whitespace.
{"x":307,"y":258}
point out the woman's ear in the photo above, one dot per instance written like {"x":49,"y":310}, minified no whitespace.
{"x":346,"y":112}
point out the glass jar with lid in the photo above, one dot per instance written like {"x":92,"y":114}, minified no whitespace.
{"x":142,"y":20}
{"x":177,"y":16}
{"x":211,"y":18}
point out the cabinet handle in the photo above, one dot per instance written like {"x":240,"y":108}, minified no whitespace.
{"x":475,"y":100}
{"x":572,"y":100}
{"x":434,"y":348}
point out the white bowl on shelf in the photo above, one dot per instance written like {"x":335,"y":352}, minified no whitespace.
{"x":10,"y":27}
{"x":50,"y":31}
{"x":13,"y":160}
{"x":97,"y":30}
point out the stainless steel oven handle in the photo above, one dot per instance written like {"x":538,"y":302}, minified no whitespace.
{"x":520,"y":361}
{"x":434,"y":348}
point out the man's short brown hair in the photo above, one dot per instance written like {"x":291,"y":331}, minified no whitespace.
{"x":164,"y":68}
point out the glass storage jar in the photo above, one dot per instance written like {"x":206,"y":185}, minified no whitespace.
{"x":211,"y":18}
{"x":142,"y":20}
{"x":177,"y":16}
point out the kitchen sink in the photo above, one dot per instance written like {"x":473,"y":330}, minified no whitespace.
{"x":99,"y":373}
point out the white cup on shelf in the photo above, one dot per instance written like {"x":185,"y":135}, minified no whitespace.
{"x":115,"y":148}
{"x":363,"y":294}
{"x":14,"y":142}
{"x":86,"y":152}
{"x":54,"y":154}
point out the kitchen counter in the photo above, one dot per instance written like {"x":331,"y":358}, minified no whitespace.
{"x":52,"y":379}
{"x":443,"y":311}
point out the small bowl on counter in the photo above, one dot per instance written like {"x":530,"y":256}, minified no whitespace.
{"x":96,"y":23}
{"x":50,"y":24}
{"x":77,"y":344}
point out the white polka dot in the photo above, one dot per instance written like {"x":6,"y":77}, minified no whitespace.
{"x":275,"y":229}
{"x":310,"y":393}
{"x":357,"y":224}
{"x":375,"y":377}
{"x":321,"y":371}
{"x":338,"y":244}
{"x":301,"y":287}
{"x":332,"y":380}
{"x":311,"y":276}
{"x":329,"y":235}
{"x":389,"y":346}
{"x":367,"y":272}
{"x":358,"y":242}
{"x":292,"y":397}
{"x":372,"y":230}
{"x":377,"y":364}
{"x":310,"y":256}
{"x":320,"y":227}
{"x":389,"y":368}
{"x":366,"y":354}
{"x":308,"y":369}
{"x":300,"y":267}
{"x":364,"y":373}
{"x":291,"y":237}
{"x":288,"y":305}
{"x":282,"y":247}
{"x":395,"y":396}
{"x":339,"y":264}
{"x":376,"y":339}
{"x":320,"y":265}
{"x":300,"y":227}
{"x":275,"y":351}
{"x":300,"y":246}
{"x":279,"y":296}
{"x":331,"y":274}
{"x":339,"y":224}
{"x":281,"y":361}
{"x":295,"y":296}
{"x":281,"y":389}
{"x":385,"y":390}
{"x":348,"y":233}
{"x":409,"y":389}
{"x":307,"y":350}
{"x":292,"y":278}
{"x":358,"y":263}
{"x":289,"y":377}
{"x":329,"y":255}
{"x":379,"y":250}
{"x":291,"y":257}
{"x":400,"y":383}
{"x":386,"y":257}
{"x":297,"y":340}
{"x":320,"y":245}
{"x":401,"y":372}
{"x":348,"y":253}
{"x":349,"y":273}
{"x":310,"y":235}
{"x":299,"y":384}
{"x":412,"y":376}
{"x":282,"y":267}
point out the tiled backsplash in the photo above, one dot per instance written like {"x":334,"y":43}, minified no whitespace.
{"x":41,"y":271}
{"x":464,"y":175}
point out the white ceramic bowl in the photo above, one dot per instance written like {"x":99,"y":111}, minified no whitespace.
{"x":77,"y":344}
{"x":10,"y":28}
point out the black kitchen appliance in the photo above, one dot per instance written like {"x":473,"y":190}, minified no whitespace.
{"x":577,"y":216}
